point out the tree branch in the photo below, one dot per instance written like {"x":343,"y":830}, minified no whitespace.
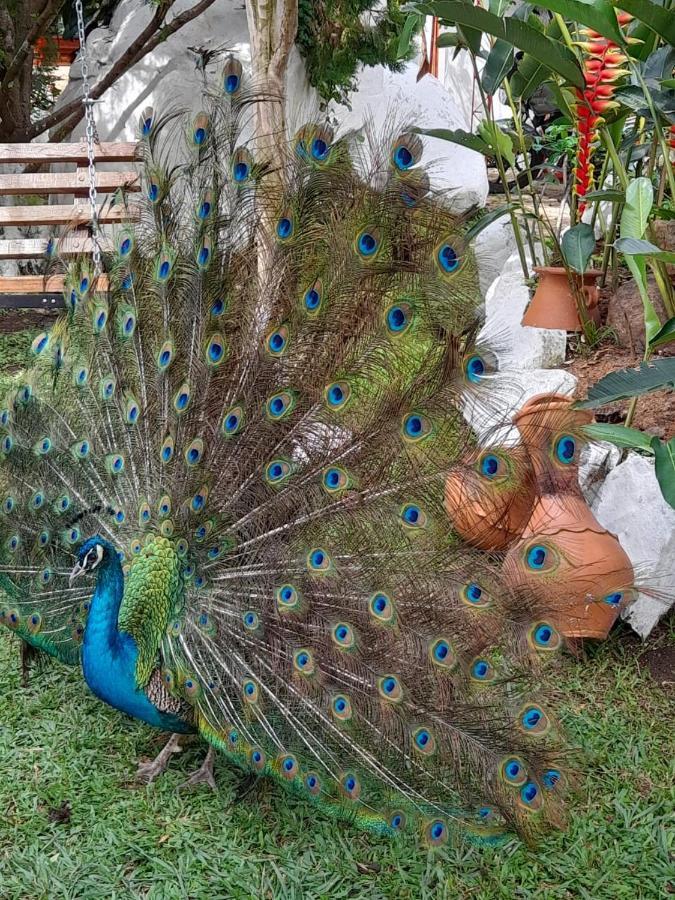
{"x":41,"y":23}
{"x":151,"y":36}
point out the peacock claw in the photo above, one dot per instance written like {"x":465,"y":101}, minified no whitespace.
{"x":147,"y":772}
{"x":204,"y":774}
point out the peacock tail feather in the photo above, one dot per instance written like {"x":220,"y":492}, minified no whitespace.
{"x":266,"y":445}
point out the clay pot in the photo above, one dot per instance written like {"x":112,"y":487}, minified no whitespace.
{"x":568,"y":569}
{"x":553,"y":305}
{"x":551,"y":432}
{"x":489,"y":496}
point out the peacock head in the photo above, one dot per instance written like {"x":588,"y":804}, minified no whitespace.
{"x":90,"y":556}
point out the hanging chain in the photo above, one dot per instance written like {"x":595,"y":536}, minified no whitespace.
{"x":91,"y":136}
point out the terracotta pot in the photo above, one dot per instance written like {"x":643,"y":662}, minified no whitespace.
{"x":553,"y":305}
{"x":551,"y":432}
{"x":489,"y":496}
{"x":569,"y":569}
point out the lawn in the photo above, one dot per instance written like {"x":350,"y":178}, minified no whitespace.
{"x":72,"y":827}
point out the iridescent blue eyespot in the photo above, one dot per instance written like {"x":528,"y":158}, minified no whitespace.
{"x":251,"y":620}
{"x":514,"y":772}
{"x":320,"y":149}
{"x":284,"y":228}
{"x":403,"y":158}
{"x":416,"y":427}
{"x":544,"y":635}
{"x":217,"y":308}
{"x":337,"y":394}
{"x":565,"y":449}
{"x":529,"y":793}
{"x":390,"y":688}
{"x":490,"y":466}
{"x":381,"y":607}
{"x":473,"y":592}
{"x":398,"y":318}
{"x":240,"y":171}
{"x":447,"y":258}
{"x":7,"y":443}
{"x":367,"y":244}
{"x":474,"y":368}
{"x":536,"y":557}
{"x":231,"y":84}
{"x":532,"y":717}
{"x":397,"y":821}
{"x":312,"y":299}
{"x":481,"y":670}
{"x":551,"y":778}
{"x":125,"y":246}
{"x":437,"y":832}
{"x":313,"y":783}
{"x":613,"y":599}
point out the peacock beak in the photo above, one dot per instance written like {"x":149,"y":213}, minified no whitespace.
{"x":78,"y":569}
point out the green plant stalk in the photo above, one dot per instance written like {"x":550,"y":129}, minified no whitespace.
{"x":657,"y":128}
{"x":601,"y":182}
{"x":533,"y":193}
{"x":502,"y":174}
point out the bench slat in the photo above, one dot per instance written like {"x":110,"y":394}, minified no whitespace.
{"x":38,"y":284}
{"x":63,"y":215}
{"x":66,"y":183}
{"x":108,"y":151}
{"x":33,"y":248}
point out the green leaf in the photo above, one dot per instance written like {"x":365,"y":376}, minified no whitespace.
{"x":458,"y":136}
{"x":597,"y":15}
{"x":668,"y":83}
{"x":634,"y":247}
{"x":410,"y":25}
{"x":497,"y":67}
{"x":624,"y":383}
{"x":665,"y":468}
{"x":665,"y":335}
{"x":554,"y":55}
{"x":609,"y":196}
{"x":474,"y":230}
{"x":531,"y":73}
{"x":497,"y":140}
{"x":619,"y":435}
{"x":660,"y":20}
{"x":633,"y":97}
{"x":635,"y":215}
{"x":577,"y":245}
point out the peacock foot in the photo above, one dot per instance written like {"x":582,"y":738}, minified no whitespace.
{"x":147,"y":772}
{"x":204,"y":774}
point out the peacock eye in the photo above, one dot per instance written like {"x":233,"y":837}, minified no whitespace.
{"x":491,"y":466}
{"x":566,"y":449}
{"x":540,"y":558}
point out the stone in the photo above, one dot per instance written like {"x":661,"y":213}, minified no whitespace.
{"x":518,"y":346}
{"x":493,"y":246}
{"x":395,"y":100}
{"x":597,"y":459}
{"x":630,"y":504}
{"x":625,"y":313}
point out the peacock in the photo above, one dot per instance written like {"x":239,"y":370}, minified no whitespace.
{"x":225,"y":485}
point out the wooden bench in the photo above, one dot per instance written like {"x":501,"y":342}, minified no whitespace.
{"x":45,"y":292}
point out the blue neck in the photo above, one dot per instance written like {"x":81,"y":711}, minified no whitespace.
{"x":109,"y":656}
{"x":101,"y":631}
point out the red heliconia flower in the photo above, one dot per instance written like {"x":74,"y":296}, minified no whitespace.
{"x":602,"y":69}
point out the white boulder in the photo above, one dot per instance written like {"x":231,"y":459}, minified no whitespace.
{"x":629,"y":504}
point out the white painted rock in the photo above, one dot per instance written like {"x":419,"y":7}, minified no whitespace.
{"x":630,"y":505}
{"x":392,"y":98}
{"x":492,"y":248}
{"x":168,"y":77}
{"x":596,"y":461}
{"x":518,"y":346}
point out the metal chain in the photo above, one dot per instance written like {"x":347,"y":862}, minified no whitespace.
{"x":91,"y":136}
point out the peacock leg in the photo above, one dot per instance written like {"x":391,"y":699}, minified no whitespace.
{"x":204,"y":774}
{"x":147,"y":772}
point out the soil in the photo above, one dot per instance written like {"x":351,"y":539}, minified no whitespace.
{"x":654,"y":413}
{"x":660,"y":663}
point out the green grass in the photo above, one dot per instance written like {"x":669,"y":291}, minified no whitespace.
{"x":59,"y":745}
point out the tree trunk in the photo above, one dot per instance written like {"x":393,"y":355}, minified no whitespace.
{"x":272,"y":26}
